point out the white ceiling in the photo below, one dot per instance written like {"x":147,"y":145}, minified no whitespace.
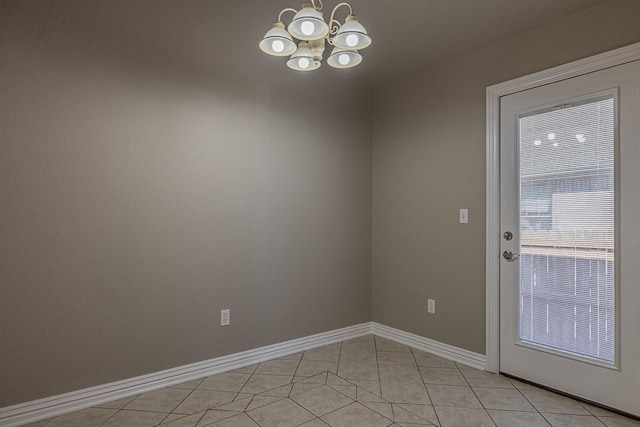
{"x":222,"y":35}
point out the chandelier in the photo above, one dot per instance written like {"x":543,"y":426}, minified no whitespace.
{"x":309,"y":27}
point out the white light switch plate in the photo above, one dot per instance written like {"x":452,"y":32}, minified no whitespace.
{"x":431,"y":306}
{"x":464,"y":216}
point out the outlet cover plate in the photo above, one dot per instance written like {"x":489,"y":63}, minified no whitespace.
{"x":225,"y":317}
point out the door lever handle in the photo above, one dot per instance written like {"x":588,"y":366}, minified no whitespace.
{"x":510,"y":256}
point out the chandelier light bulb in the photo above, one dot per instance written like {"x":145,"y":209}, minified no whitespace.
{"x":277,"y":46}
{"x":352,"y":40}
{"x":304,"y":63}
{"x":343,"y":59}
{"x":307,"y":28}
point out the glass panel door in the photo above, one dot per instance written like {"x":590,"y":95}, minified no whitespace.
{"x":567,"y":227}
{"x":570,"y":235}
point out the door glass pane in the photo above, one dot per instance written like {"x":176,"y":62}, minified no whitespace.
{"x":567,"y":292}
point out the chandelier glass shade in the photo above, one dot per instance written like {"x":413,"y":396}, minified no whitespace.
{"x":309,"y":27}
{"x":302,"y":59}
{"x":308,"y":24}
{"x":278,"y":41}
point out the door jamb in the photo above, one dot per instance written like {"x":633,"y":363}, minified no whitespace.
{"x":494,"y":93}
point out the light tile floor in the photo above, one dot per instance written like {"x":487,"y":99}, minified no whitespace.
{"x":367,"y":381}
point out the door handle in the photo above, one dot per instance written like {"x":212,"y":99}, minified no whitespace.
{"x":510,"y":256}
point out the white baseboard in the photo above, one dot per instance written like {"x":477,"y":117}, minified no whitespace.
{"x":41,"y":409}
{"x":466,"y":357}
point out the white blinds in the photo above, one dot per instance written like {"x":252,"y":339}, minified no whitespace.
{"x":567,"y":290}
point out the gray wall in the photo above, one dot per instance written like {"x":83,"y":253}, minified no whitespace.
{"x":429,"y":161}
{"x":139,"y":198}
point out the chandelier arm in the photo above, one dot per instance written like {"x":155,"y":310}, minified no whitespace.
{"x":318,"y":6}
{"x":334,"y":24}
{"x":289,"y":9}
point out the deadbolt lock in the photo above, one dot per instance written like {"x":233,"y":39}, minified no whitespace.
{"x":508,"y":235}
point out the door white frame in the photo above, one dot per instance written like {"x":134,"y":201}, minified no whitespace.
{"x":494,"y":93}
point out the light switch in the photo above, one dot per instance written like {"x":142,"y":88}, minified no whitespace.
{"x":464,"y":216}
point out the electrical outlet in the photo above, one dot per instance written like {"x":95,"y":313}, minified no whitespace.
{"x":431,"y":306}
{"x":225,"y":317}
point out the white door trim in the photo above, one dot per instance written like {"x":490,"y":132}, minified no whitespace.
{"x":494,"y":93}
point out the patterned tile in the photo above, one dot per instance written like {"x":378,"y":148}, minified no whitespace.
{"x":189,"y":385}
{"x":619,"y":421}
{"x":278,"y":367}
{"x":361,"y":356}
{"x":315,"y":423}
{"x":401,"y":415}
{"x":425,"y":412}
{"x":431,"y":360}
{"x":356,"y":415}
{"x":545,"y":401}
{"x":398,"y":392}
{"x":453,"y":395}
{"x":329,"y":353}
{"x":173,"y":417}
{"x":366,"y":381}
{"x":521,"y":419}
{"x":182,"y":421}
{"x":126,"y":418}
{"x":383,"y":344}
{"x":117,"y":404}
{"x":213,"y":415}
{"x":477,"y":378}
{"x":284,"y":413}
{"x":261,"y":383}
{"x":163,"y":400}
{"x":200,"y":400}
{"x":407,"y":374}
{"x":444,"y":376}
{"x":362,"y":343}
{"x":314,"y":367}
{"x":84,"y":418}
{"x":322,"y":400}
{"x":463,"y":417}
{"x":357,"y":370}
{"x":564,"y":420}
{"x":502,"y":398}
{"x":231,"y":382}
{"x":38,"y":423}
{"x":396,"y":358}
{"x":241,"y":420}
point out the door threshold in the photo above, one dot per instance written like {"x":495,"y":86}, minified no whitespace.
{"x":578,"y":398}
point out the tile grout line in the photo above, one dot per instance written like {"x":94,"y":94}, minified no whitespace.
{"x":294,"y":374}
{"x":425,"y":385}
{"x":476,"y":395}
{"x":180,"y":403}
